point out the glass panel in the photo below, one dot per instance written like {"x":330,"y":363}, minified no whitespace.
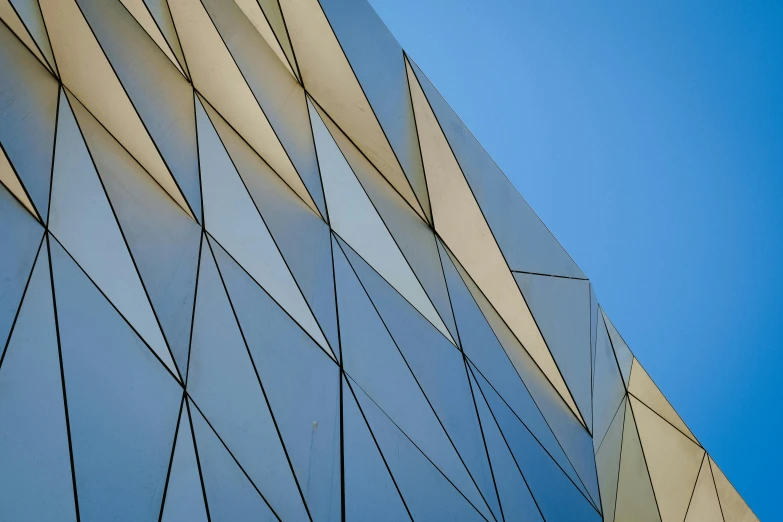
{"x":372,"y":359}
{"x":370,"y":493}
{"x":28,"y":115}
{"x":561,"y":309}
{"x":89,"y":76}
{"x":224,"y":384}
{"x":302,"y":236}
{"x":122,"y":403}
{"x":83,"y":222}
{"x":165,"y":104}
{"x":281,"y":98}
{"x":230,"y":495}
{"x":232,"y":218}
{"x":353,"y":217}
{"x":34,"y":456}
{"x":427,"y":492}
{"x":20,"y":236}
{"x":162,"y":238}
{"x":301,"y":383}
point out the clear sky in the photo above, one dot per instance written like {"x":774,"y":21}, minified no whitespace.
{"x":649,"y":138}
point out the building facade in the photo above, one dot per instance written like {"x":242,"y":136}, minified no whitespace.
{"x":254,"y":267}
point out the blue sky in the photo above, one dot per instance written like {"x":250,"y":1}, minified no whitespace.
{"x":649,"y":138}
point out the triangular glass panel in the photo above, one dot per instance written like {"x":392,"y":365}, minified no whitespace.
{"x":439,"y":370}
{"x":370,"y":491}
{"x":515,"y":496}
{"x":607,"y":461}
{"x":372,"y":359}
{"x":162,"y":238}
{"x":635,"y":498}
{"x":34,"y":452}
{"x":184,"y":497}
{"x":122,"y":404}
{"x":608,"y":388}
{"x":428,"y":493}
{"x":231,"y":496}
{"x":82,"y":219}
{"x":353,"y":216}
{"x":413,"y":235}
{"x":20,"y":236}
{"x":28,"y":114}
{"x":233,"y":219}
{"x":165,"y":106}
{"x":525,"y":241}
{"x":88,"y":74}
{"x":673,"y":461}
{"x":561,"y":309}
{"x":281,"y":98}
{"x":303,"y":237}
{"x":301,"y":384}
{"x":644,"y":389}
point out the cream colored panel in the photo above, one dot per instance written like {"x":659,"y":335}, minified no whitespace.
{"x":704,"y":505}
{"x":86,"y":72}
{"x":459,"y":222}
{"x":233,"y":219}
{"x":734,"y":508}
{"x":9,"y":179}
{"x":256,"y":16}
{"x":8,"y":15}
{"x":355,"y":219}
{"x":217,"y":78}
{"x":82,"y":220}
{"x":673,"y":461}
{"x":140,"y":13}
{"x":328,"y":78}
{"x":646,"y":391}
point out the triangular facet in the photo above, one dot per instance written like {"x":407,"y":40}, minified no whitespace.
{"x":372,"y":359}
{"x":635,"y":498}
{"x":218,"y":78}
{"x":733,"y":506}
{"x":223,"y":382}
{"x":644,"y":389}
{"x":232,"y":218}
{"x":353,"y":216}
{"x":145,"y":20}
{"x":607,"y":461}
{"x":561,"y":309}
{"x":704,"y":506}
{"x":257,"y":17}
{"x":329,"y":79}
{"x":162,"y":238}
{"x":525,"y":241}
{"x":28,"y":113}
{"x":159,"y":9}
{"x":82,"y":220}
{"x":10,"y":16}
{"x":673,"y":461}
{"x":34,"y":445}
{"x":122,"y":432}
{"x":301,"y":384}
{"x":184,"y":498}
{"x":608,"y":388}
{"x":621,"y":350}
{"x":11,"y":182}
{"x":88,"y":74}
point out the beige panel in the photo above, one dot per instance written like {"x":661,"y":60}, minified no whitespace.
{"x":253,"y":11}
{"x":646,"y":391}
{"x":143,"y":16}
{"x":635,"y":497}
{"x":218,"y":79}
{"x":704,"y":505}
{"x":673,"y":460}
{"x":85,"y":70}
{"x":9,"y":16}
{"x":329,"y":79}
{"x":353,"y":216}
{"x":459,"y":222}
{"x":11,"y":182}
{"x":734,"y":508}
